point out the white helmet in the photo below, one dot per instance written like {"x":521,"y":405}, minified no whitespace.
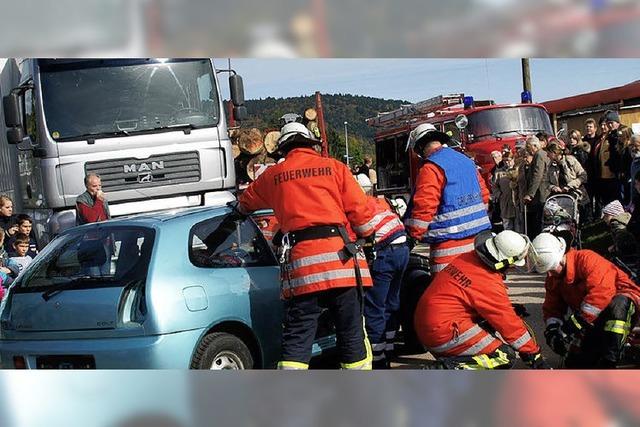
{"x":548,"y":250}
{"x":295,"y":131}
{"x":426,"y":132}
{"x":502,"y":250}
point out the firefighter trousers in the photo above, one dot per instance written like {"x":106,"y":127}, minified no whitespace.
{"x":602,"y":345}
{"x":502,"y":358}
{"x":301,"y":315}
{"x":382,"y":301}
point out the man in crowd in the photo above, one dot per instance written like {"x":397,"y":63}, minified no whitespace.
{"x":316,"y":200}
{"x":92,"y":205}
{"x":602,"y":298}
{"x":618,"y":140}
{"x":536,"y":192}
{"x":448,"y":205}
{"x":459,"y":313}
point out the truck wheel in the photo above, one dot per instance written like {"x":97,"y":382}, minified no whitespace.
{"x":221,"y":350}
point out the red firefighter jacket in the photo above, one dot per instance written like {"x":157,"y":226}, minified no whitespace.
{"x":459,"y":297}
{"x":386,"y":223}
{"x":587,"y":286}
{"x":308,"y":190}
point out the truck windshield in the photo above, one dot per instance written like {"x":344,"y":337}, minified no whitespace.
{"x":103,"y":98}
{"x":509,"y":121}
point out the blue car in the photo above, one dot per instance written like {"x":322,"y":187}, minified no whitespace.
{"x":194,"y":288}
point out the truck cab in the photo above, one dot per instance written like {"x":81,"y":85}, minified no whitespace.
{"x":154,"y":129}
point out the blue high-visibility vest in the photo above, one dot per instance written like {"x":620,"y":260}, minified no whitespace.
{"x":462,"y":212}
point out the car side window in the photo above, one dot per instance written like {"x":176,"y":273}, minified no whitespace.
{"x":228,"y":242}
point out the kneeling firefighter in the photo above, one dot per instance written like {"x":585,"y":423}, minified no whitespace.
{"x":466,"y":303}
{"x":316,"y":200}
{"x":602,"y":298}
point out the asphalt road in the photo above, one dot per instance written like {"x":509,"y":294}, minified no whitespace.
{"x":527,"y":289}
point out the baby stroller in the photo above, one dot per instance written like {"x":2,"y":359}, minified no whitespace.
{"x":561,"y":214}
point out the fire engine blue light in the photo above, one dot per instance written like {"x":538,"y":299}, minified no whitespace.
{"x":468,"y":101}
{"x":525,"y":96}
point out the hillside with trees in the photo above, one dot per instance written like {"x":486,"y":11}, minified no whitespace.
{"x":338,"y":108}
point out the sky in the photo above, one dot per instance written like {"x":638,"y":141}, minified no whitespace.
{"x":414,"y":80}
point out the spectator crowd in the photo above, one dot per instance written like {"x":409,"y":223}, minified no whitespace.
{"x":599,"y":168}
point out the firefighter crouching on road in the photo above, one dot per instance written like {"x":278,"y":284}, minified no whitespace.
{"x":382,"y":302}
{"x":449,"y":204}
{"x":315,"y":200}
{"x":465,"y":303}
{"x":602,"y":298}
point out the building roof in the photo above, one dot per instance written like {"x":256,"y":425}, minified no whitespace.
{"x":592,"y":99}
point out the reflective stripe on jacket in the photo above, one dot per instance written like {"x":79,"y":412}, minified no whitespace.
{"x":387,"y":225}
{"x":449,"y":199}
{"x":587,"y":287}
{"x":459,"y":297}
{"x":308,"y":190}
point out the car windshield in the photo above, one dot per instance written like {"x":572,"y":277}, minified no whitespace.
{"x":102,"y":98}
{"x":509,"y":121}
{"x":104,"y":256}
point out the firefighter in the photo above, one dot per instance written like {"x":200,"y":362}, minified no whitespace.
{"x":315,"y":200}
{"x":448,"y":206}
{"x":602,"y":298}
{"x":467,"y":303}
{"x":390,"y":253}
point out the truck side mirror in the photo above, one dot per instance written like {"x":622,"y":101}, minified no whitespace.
{"x":11,"y":105}
{"x":15,"y":135}
{"x":237,"y":89}
{"x":240,"y":113}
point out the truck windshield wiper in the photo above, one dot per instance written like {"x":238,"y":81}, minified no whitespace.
{"x":186,"y":127}
{"x":55,"y":289}
{"x":96,"y":135}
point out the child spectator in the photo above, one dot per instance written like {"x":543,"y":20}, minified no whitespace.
{"x":7,"y":218}
{"x":20,"y":251}
{"x":25,"y":226}
{"x":9,"y":270}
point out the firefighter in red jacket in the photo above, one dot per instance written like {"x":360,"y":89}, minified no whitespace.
{"x":459,"y":313}
{"x":316,"y":200}
{"x":448,"y":206}
{"x":602,"y":298}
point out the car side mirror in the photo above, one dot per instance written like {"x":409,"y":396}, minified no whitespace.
{"x":240,"y":113}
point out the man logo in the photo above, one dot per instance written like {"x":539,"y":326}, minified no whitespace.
{"x":144,"y":167}
{"x":145,"y":177}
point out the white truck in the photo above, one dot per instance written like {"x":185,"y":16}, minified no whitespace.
{"x":154,"y":129}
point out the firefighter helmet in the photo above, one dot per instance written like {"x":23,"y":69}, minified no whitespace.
{"x":502,"y":250}
{"x":423,"y":134}
{"x":295,"y":132}
{"x":549,"y":251}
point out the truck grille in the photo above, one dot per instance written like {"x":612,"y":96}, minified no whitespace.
{"x":132,"y":173}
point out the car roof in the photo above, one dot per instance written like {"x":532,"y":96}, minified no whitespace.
{"x":153,"y":219}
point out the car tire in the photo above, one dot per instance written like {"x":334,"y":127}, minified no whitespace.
{"x":219,"y":351}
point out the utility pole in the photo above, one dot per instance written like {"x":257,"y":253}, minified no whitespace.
{"x":526,"y":76}
{"x":346,"y":142}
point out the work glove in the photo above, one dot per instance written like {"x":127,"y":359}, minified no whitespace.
{"x":575,"y":325}
{"x":521,"y":310}
{"x":534,"y":361}
{"x":237,"y":211}
{"x":556,"y":339}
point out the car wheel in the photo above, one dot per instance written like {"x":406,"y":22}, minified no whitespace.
{"x":221,"y":350}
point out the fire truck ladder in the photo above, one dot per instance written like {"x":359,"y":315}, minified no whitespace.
{"x":411,"y":112}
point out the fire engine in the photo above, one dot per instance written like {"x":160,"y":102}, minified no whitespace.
{"x":475,"y":127}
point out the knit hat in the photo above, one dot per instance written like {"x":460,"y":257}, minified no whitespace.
{"x":614,"y":209}
{"x":612,"y":116}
